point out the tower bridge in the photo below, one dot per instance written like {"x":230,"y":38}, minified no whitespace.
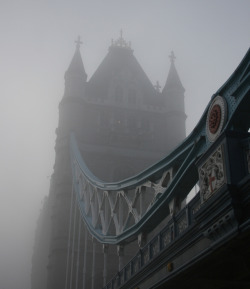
{"x":120,"y":193}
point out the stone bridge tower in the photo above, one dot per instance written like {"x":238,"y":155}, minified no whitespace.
{"x":123,"y":124}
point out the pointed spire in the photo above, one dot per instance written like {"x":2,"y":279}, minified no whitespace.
{"x":75,"y":76}
{"x":78,"y":43}
{"x":157,"y":86}
{"x":76,"y":66}
{"x":173,"y":97}
{"x":173,"y":79}
{"x":172,"y":57}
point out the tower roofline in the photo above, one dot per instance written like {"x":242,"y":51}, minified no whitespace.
{"x":173,"y":80}
{"x":121,"y":43}
{"x":76,"y":65}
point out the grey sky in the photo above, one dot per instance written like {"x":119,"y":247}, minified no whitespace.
{"x":209,"y":39}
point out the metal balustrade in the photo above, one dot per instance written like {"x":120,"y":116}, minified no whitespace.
{"x":176,"y":227}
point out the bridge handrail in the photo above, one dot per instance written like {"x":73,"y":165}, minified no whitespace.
{"x":174,"y":229}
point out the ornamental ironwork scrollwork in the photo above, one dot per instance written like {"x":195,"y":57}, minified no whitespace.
{"x":145,"y":255}
{"x":136,"y":264}
{"x":155,"y":247}
{"x":182,"y":224}
{"x":166,"y":238}
{"x":196,"y":208}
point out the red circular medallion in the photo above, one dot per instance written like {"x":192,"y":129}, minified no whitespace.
{"x":214,"y":118}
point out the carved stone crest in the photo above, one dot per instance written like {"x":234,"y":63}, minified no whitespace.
{"x":216,"y":118}
{"x":212,"y":174}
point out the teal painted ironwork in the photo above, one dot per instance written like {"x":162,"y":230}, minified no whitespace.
{"x":118,"y":212}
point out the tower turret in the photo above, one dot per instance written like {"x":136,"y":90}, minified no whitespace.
{"x":71,"y":106}
{"x":122,"y":125}
{"x":173,"y":95}
{"x":71,"y":111}
{"x":75,"y":76}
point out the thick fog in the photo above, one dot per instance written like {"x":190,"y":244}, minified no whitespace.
{"x":209,"y":39}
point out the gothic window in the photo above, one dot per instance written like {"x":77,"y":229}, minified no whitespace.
{"x":118,"y":93}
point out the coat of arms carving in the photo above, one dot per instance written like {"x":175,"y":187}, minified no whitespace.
{"x":212,"y":174}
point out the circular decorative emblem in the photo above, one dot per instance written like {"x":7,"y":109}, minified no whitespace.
{"x":216,"y":118}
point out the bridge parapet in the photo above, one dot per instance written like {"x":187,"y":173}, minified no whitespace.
{"x":203,"y":225}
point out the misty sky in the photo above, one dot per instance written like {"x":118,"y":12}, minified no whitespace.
{"x":209,"y":39}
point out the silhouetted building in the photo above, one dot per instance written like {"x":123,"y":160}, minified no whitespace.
{"x":123,"y":124}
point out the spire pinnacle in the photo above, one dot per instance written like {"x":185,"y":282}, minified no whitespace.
{"x":172,"y":57}
{"x":121,"y":42}
{"x":78,"y":42}
{"x":157,"y":86}
{"x":173,"y":79}
{"x":76,"y":66}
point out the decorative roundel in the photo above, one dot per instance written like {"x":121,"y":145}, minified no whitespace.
{"x":216,"y":117}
